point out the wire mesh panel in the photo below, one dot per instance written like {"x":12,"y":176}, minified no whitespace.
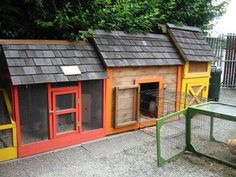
{"x":171,"y":136}
{"x":214,"y":137}
{"x":6,"y":138}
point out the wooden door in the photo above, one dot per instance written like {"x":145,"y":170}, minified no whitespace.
{"x":196,"y":92}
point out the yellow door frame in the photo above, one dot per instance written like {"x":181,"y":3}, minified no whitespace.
{"x":9,"y":152}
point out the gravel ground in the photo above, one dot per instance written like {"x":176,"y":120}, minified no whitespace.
{"x":135,"y":157}
{"x":128,"y":154}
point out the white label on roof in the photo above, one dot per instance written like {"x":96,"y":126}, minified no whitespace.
{"x":71,"y":70}
{"x":144,"y":43}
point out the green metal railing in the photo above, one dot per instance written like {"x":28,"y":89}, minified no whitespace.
{"x":208,"y":127}
{"x":171,"y":136}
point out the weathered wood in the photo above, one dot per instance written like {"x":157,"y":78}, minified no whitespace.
{"x":126,"y":124}
{"x":126,"y":106}
{"x":197,"y":67}
{"x":40,"y":42}
{"x":126,"y":77}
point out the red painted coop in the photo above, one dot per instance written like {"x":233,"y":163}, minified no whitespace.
{"x":57,"y":90}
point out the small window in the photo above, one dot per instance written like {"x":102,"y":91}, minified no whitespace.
{"x":92,"y":104}
{"x":126,"y":105}
{"x":33,"y":107}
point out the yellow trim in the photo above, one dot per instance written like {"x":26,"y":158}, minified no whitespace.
{"x":188,"y":83}
{"x":197,"y":74}
{"x":10,"y":152}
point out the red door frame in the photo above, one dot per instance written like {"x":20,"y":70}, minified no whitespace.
{"x":58,"y":141}
{"x":65,"y":111}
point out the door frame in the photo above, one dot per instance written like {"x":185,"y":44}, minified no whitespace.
{"x":9,"y":152}
{"x":75,"y":110}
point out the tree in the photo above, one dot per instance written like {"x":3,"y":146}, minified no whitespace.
{"x":64,"y":19}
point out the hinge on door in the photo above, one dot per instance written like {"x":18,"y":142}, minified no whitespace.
{"x":78,"y":124}
{"x":78,"y":101}
{"x":50,"y":112}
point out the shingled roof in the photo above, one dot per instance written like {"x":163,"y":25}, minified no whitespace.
{"x":190,"y":43}
{"x":118,"y":49}
{"x":33,"y":63}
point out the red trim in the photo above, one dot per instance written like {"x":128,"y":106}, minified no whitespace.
{"x":79,"y":107}
{"x":17,"y":114}
{"x":50,"y":116}
{"x":59,"y":142}
{"x":65,"y":89}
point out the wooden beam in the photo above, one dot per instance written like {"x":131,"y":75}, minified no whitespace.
{"x":178,"y":87}
{"x":41,"y":42}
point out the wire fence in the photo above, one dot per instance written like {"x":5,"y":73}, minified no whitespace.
{"x":211,"y":136}
{"x":155,"y":104}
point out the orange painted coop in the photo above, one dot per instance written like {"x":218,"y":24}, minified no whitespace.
{"x":136,"y":64}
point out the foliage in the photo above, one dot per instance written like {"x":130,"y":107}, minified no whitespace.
{"x":65,"y":19}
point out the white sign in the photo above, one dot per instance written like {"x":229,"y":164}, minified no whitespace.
{"x":71,"y":70}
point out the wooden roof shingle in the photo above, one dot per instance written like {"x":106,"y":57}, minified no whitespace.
{"x":190,"y":43}
{"x":41,"y":63}
{"x":119,"y":49}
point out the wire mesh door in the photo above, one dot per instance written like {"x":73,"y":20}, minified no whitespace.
{"x":171,"y":136}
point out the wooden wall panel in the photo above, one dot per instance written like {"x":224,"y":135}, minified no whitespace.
{"x":127,"y":76}
{"x":195,"y":67}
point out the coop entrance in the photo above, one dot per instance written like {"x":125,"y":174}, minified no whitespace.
{"x":149,"y":100}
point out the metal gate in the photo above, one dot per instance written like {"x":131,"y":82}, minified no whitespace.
{"x":224,"y":48}
{"x":229,"y":78}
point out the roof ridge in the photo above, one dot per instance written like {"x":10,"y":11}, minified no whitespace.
{"x":184,"y":27}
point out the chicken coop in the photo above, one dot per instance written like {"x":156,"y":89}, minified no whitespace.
{"x":207,"y":129}
{"x":197,"y":56}
{"x":56,"y":89}
{"x":136,"y":64}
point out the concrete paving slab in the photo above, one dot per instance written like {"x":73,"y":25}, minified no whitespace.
{"x":12,"y":169}
{"x":41,"y":164}
{"x":98,"y":148}
{"x":74,"y":156}
{"x":95,"y":168}
{"x":147,"y":134}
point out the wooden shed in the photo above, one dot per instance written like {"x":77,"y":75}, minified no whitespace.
{"x":57,"y":94}
{"x":135,"y":64}
{"x":198,"y":56}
